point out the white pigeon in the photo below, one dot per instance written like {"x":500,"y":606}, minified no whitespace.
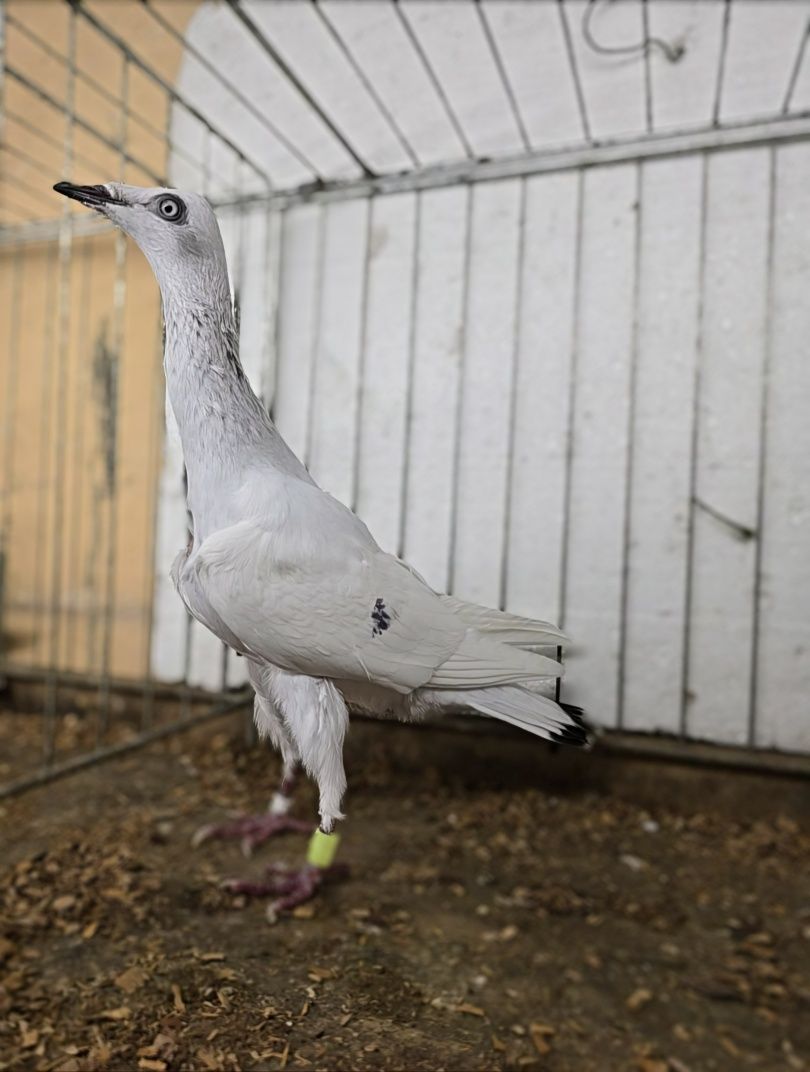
{"x":285,"y":574}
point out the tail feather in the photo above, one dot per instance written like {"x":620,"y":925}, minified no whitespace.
{"x":506,"y":628}
{"x":576,"y":713}
{"x":532,"y":712}
{"x":480,"y":661}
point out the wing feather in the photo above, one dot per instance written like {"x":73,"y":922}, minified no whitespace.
{"x":360,"y":615}
{"x":317,"y":596}
{"x":507,"y":628}
{"x":480,"y":663}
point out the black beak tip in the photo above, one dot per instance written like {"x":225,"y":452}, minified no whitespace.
{"x":91,"y":196}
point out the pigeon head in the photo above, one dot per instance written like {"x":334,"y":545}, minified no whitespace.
{"x":177,"y":232}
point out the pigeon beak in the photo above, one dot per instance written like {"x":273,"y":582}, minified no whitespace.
{"x":92,"y":196}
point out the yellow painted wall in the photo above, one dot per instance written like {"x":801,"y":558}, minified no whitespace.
{"x":76,"y":523}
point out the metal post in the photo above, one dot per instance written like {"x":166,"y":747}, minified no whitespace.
{"x":9,"y":441}
{"x":762,"y":470}
{"x":60,"y":419}
{"x":575,"y":77}
{"x":316,"y":334}
{"x":721,"y":65}
{"x":571,"y":408}
{"x":459,"y":400}
{"x":514,"y":373}
{"x":694,"y":451}
{"x":413,"y":321}
{"x":630,"y":458}
{"x":453,"y":119}
{"x":360,"y":387}
{"x":111,"y":446}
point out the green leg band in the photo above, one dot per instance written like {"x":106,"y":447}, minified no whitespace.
{"x":322,"y":849}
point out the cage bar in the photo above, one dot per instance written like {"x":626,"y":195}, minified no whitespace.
{"x":77,"y":607}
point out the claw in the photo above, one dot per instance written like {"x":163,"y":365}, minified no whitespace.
{"x":290,"y":887}
{"x":251,"y":830}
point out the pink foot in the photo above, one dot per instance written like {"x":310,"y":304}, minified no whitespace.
{"x":291,"y":887}
{"x":252,"y":830}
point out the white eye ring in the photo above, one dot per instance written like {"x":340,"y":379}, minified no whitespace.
{"x":170,"y":209}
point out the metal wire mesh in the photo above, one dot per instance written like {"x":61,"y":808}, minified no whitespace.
{"x":92,"y":91}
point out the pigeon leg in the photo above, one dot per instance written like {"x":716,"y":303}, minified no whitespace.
{"x":291,"y":887}
{"x":252,"y":830}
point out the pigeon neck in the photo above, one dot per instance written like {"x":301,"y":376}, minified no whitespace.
{"x":223,"y":425}
{"x":213,"y":402}
{"x":224,"y":428}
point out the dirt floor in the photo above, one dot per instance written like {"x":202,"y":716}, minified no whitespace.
{"x":492,"y":920}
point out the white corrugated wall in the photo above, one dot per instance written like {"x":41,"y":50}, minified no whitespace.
{"x":582,"y":395}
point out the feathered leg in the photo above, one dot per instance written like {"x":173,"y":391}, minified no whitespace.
{"x":253,"y":830}
{"x":316,"y":717}
{"x":306,"y":719}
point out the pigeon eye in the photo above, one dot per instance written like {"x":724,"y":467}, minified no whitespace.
{"x":172,"y":209}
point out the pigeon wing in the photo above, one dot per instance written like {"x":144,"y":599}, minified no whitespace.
{"x":356,"y":613}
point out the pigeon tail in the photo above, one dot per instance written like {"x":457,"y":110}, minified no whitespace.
{"x":537,"y":714}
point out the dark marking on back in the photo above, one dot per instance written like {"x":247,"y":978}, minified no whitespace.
{"x":380,"y":617}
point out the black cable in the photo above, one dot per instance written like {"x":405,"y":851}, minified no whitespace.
{"x":673,"y":52}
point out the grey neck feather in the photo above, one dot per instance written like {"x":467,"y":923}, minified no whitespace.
{"x":212,"y":400}
{"x":224,"y":428}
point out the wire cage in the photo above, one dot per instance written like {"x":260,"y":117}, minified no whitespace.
{"x":522,"y":281}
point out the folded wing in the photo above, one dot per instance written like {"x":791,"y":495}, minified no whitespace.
{"x":356,"y":613}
